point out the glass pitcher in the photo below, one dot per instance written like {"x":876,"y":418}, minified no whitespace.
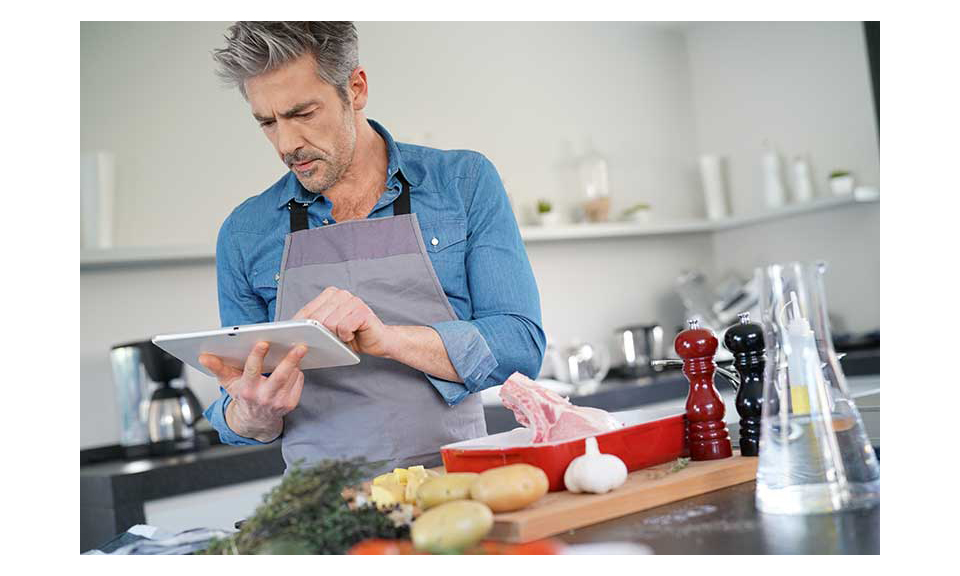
{"x":815,"y":456}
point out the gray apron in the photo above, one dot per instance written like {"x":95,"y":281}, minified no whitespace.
{"x":380,"y":409}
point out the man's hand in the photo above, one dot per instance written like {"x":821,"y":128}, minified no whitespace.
{"x":259,"y":403}
{"x":351,"y":320}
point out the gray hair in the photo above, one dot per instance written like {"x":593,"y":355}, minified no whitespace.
{"x":257,"y":47}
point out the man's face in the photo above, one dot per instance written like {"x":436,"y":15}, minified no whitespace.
{"x":312,"y":130}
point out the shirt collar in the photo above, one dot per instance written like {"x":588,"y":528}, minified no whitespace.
{"x":292,"y":189}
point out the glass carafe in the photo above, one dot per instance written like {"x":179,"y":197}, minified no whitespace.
{"x":815,"y":456}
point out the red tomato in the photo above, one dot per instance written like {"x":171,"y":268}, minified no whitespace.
{"x":405,"y":547}
{"x":381,"y":547}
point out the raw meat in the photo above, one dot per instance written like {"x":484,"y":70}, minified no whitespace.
{"x":549,"y":415}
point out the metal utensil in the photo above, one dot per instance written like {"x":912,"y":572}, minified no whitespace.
{"x":586,"y":366}
{"x":639,"y":345}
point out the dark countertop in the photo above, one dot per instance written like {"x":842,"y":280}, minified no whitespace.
{"x":727,"y":521}
{"x":113,"y":492}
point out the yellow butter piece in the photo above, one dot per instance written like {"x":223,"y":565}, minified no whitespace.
{"x":800,"y":399}
{"x":400,"y":474}
{"x":388,"y":477}
{"x":383,"y":497}
{"x":415,"y":477}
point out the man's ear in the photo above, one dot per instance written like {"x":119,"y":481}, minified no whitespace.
{"x":358,"y":88}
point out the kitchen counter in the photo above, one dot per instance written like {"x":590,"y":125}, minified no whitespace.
{"x":727,"y":521}
{"x":113,"y":490}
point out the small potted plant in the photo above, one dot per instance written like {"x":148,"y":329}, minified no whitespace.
{"x":639,"y":212}
{"x":841,"y":182}
{"x":546,"y":215}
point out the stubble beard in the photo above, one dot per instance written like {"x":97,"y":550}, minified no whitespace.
{"x":329,"y":170}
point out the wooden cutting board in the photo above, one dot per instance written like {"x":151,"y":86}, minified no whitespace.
{"x":558,"y":512}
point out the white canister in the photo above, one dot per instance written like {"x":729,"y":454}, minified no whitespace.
{"x":714,"y":187}
{"x":96,"y":199}
{"x":802,"y":181}
{"x":774,"y":191}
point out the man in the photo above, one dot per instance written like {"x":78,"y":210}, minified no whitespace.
{"x":410,"y":255}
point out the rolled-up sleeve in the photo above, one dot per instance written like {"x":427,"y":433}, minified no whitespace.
{"x":216,"y":414}
{"x":504,"y":334}
{"x":238,"y":305}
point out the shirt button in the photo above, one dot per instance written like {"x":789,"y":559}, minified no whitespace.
{"x":277,"y":277}
{"x":434,"y":241}
{"x":325,"y":221}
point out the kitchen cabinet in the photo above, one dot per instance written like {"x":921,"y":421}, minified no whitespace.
{"x":116,"y":494}
{"x":214,"y":508}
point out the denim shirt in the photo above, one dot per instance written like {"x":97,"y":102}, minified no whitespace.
{"x":479,"y":259}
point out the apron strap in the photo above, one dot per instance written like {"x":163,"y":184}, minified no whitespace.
{"x":298,"y":211}
{"x":298,"y":216}
{"x":402,"y":204}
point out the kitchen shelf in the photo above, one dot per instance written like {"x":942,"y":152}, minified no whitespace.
{"x":174,"y":255}
{"x":654,"y":228}
{"x":144,"y":256}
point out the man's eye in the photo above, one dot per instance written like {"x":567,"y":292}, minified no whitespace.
{"x":266,"y":123}
{"x":305,"y":115}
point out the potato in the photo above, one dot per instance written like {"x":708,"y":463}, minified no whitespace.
{"x":510,"y":487}
{"x":451,"y":527}
{"x":446,"y":488}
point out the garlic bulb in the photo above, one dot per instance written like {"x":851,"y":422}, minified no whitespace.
{"x":595,"y":472}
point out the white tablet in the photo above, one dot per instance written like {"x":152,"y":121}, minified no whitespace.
{"x":233,"y":345}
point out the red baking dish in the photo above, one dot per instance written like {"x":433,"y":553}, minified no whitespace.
{"x":640,"y":443}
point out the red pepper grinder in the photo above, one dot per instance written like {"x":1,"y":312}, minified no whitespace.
{"x":707,"y":434}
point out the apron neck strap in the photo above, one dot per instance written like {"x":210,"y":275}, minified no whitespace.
{"x":298,"y":211}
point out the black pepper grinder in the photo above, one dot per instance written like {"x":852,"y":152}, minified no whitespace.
{"x":745,"y":342}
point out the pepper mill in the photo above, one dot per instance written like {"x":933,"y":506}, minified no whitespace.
{"x":707,"y":434}
{"x":745,"y":342}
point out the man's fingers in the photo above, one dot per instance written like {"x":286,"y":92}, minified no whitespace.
{"x":312,"y":306}
{"x":332,"y":299}
{"x":296,"y":390}
{"x":288,"y":365}
{"x":219,"y":369}
{"x":348,"y":326}
{"x":333,"y":307}
{"x":345,"y":307}
{"x":254,"y":364}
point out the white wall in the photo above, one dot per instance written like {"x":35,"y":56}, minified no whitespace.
{"x":804,"y":86}
{"x":187,"y":150}
{"x":847,"y":239}
{"x":528,"y":95}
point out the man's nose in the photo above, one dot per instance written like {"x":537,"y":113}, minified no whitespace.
{"x":289,"y":139}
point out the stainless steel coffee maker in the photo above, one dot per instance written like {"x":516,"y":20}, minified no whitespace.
{"x":158,"y":411}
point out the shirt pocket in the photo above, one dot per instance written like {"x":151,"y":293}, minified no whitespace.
{"x":440,"y":237}
{"x":446,"y":243}
{"x":264,"y":283}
